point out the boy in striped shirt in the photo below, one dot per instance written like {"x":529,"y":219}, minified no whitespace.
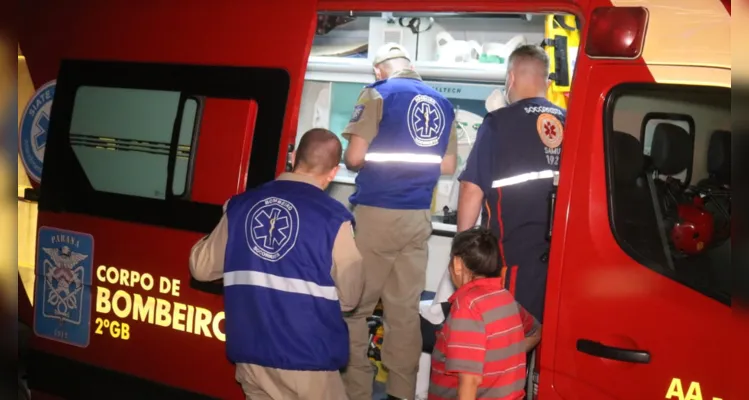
{"x":480,"y":352}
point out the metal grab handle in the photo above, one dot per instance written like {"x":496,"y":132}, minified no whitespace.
{"x":613,"y":353}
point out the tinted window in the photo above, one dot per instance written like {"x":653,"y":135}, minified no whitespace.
{"x":152,"y":143}
{"x":668,"y":156}
{"x":122,"y":139}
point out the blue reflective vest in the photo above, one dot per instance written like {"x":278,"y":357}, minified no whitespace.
{"x":281,"y":304}
{"x":402,"y":164}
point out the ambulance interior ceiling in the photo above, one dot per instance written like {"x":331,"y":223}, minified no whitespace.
{"x":461,"y":55}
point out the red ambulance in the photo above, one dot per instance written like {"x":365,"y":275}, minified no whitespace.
{"x":164,"y":110}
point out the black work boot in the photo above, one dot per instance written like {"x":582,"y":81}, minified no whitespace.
{"x":391,"y":397}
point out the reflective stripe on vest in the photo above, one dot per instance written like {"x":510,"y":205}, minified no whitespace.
{"x":291,"y":285}
{"x":528,"y":176}
{"x":403,"y":157}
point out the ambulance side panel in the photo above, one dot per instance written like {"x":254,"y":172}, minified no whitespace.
{"x":619,"y":323}
{"x":161,"y":113}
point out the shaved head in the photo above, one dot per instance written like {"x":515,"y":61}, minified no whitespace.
{"x":319,"y":152}
{"x":390,"y":67}
{"x":529,"y":60}
{"x":527,"y":73}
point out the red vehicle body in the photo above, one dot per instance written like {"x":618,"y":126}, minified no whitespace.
{"x":598,"y":296}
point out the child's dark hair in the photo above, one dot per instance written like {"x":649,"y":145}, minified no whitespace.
{"x":478,"y":249}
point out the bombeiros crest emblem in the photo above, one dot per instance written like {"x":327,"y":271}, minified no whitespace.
{"x":63,"y":282}
{"x":62,"y":300}
{"x":426,"y":120}
{"x":271,"y":228}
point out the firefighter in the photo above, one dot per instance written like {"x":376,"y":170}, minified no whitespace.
{"x":290,"y":265}
{"x":510,"y":173}
{"x":402,"y":137}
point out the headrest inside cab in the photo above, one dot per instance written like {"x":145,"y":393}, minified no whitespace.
{"x":719,"y":154}
{"x":629,"y":161}
{"x":671,"y":149}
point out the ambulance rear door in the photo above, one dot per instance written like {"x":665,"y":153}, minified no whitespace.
{"x":622,"y":321}
{"x":161,"y":112}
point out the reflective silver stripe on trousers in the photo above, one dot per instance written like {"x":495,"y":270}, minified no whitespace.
{"x":291,"y":285}
{"x":403,"y":157}
{"x":528,"y":176}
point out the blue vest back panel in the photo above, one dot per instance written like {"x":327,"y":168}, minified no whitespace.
{"x":281,"y":304}
{"x":403,"y":161}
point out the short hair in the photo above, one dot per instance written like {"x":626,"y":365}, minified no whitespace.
{"x":530,"y":53}
{"x":479,"y":250}
{"x":319,"y":150}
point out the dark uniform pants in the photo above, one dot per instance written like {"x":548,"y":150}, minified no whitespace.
{"x":393,"y":245}
{"x":527,"y":283}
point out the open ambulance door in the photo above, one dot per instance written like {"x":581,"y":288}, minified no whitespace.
{"x":161,"y":112}
{"x":628,"y":314}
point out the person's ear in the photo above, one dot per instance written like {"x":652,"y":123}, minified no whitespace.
{"x":454,"y":277}
{"x":458,"y":266}
{"x":378,"y":73}
{"x":333,"y":172}
{"x":292,"y":159}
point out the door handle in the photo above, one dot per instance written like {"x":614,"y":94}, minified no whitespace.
{"x":613,"y":353}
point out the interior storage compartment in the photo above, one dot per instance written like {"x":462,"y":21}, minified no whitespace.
{"x":463,"y":56}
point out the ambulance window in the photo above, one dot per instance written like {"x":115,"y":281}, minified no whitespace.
{"x":668,"y":171}
{"x":160,"y":144}
{"x":463,"y":56}
{"x":122,"y":139}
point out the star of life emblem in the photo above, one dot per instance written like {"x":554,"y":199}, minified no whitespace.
{"x":271,"y":228}
{"x":426,"y":120}
{"x":34,"y":129}
{"x":63,"y":279}
{"x":550,"y":130}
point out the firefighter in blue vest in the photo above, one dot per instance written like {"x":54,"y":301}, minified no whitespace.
{"x":402,"y":137}
{"x":510,"y":173}
{"x":290,"y":267}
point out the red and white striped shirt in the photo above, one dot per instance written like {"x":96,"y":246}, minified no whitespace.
{"x":483,"y":335}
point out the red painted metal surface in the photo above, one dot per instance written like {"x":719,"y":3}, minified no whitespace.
{"x":727,"y":5}
{"x":596,"y":291}
{"x":223,"y":146}
{"x":208,"y":33}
